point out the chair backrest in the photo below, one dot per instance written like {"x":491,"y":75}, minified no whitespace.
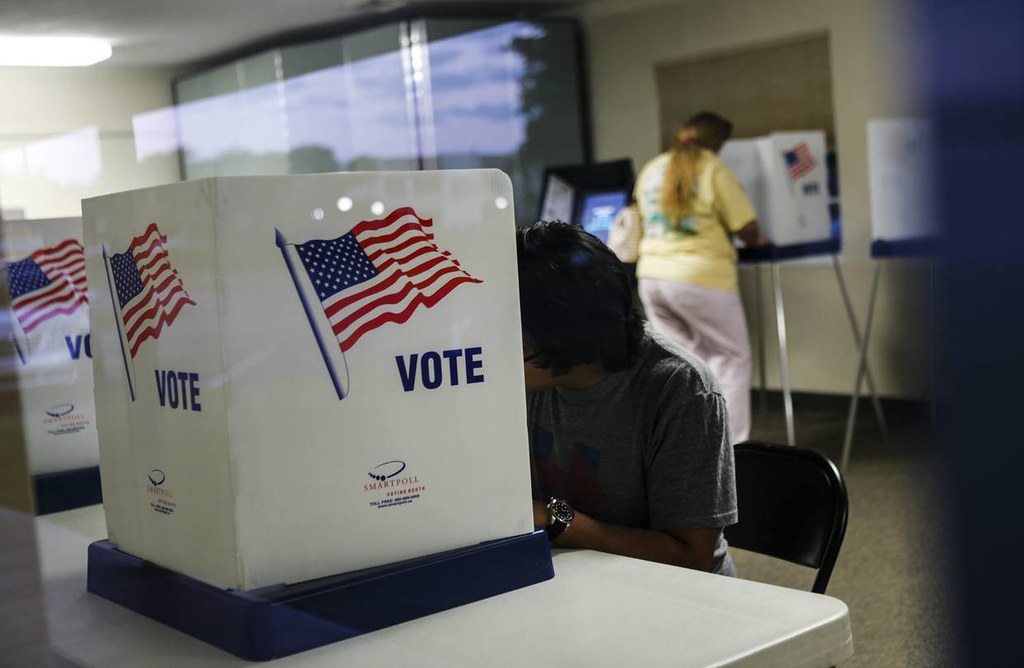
{"x":792,"y":505}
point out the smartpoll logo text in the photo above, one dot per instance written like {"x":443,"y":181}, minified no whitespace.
{"x":390,"y":488}
{"x":162,"y":499}
{"x":63,"y":419}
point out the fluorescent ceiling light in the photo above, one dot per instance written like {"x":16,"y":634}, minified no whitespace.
{"x":52,"y":51}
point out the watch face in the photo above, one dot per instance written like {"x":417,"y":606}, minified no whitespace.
{"x":560,"y":511}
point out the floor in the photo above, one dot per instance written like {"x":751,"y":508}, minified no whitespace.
{"x":891,"y":569}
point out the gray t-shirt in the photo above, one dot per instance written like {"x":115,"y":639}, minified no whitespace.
{"x":647,"y":447}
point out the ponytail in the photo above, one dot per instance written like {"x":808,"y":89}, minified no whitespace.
{"x":680,"y":178}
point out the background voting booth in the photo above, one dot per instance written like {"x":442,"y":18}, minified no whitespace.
{"x":43,"y":270}
{"x":785,"y":176}
{"x":305,"y":377}
{"x":902,"y":220}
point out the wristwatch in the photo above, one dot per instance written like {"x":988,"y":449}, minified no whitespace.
{"x":561,"y":517}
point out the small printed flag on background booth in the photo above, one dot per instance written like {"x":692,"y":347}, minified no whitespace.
{"x":799,"y":161}
{"x":47,"y":283}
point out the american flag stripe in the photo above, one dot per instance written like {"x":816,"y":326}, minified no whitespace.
{"x":155,"y":278}
{"x":60,"y":298}
{"x":72,"y":261}
{"x":166,"y":317}
{"x":401,"y":312}
{"x":64,"y":267}
{"x":162,"y":296}
{"x":67,"y":258}
{"x":353,"y":316}
{"x":397,"y":214}
{"x":148,"y":306}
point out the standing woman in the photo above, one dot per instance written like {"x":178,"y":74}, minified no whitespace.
{"x":692,"y":205}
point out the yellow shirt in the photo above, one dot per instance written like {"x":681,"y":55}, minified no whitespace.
{"x":697,"y":247}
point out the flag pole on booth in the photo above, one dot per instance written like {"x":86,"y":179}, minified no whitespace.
{"x":18,"y":337}
{"x":283,"y":244}
{"x":117,"y":322}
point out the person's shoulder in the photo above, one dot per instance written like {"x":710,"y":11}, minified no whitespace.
{"x":656,"y":162}
{"x":714,"y":164}
{"x":668,"y":363}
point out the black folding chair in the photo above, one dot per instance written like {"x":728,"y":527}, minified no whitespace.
{"x":792,"y":506}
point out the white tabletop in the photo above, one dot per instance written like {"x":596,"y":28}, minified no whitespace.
{"x":599,"y":610}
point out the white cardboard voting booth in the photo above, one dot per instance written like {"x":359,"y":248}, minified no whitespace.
{"x":299,"y":376}
{"x":44,"y":272}
{"x":786,"y":179}
{"x":899,"y":165}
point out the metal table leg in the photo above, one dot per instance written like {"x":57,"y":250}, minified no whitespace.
{"x":861,"y":367}
{"x":780,"y":317}
{"x":879,"y":414}
{"x":761,"y":363}
{"x":932,"y":319}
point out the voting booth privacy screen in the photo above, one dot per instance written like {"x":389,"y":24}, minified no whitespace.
{"x":899,"y":166}
{"x":42,"y":266}
{"x":299,"y":376}
{"x":785,"y":176}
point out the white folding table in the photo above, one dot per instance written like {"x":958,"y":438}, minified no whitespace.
{"x":599,"y":610}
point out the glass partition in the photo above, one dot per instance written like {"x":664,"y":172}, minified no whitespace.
{"x":429,"y":93}
{"x":505,"y":95}
{"x":347,"y":104}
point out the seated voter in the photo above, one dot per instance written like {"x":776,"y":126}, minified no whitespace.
{"x":628,"y":434}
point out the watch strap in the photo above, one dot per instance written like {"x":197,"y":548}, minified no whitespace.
{"x":555,"y":529}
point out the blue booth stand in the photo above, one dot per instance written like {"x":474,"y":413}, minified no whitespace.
{"x":881,"y":249}
{"x":277,"y":621}
{"x":64,"y":490}
{"x":773,"y":255}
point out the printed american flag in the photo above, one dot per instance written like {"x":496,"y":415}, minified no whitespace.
{"x":47,"y":283}
{"x":799,"y":161}
{"x":149,"y":291}
{"x":380,"y":272}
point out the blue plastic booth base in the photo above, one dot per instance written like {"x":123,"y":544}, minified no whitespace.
{"x":273,"y":622}
{"x":64,"y":490}
{"x":774,"y":253}
{"x":916,"y":247}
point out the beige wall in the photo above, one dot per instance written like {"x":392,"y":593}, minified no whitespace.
{"x":41,"y":104}
{"x":871,"y":56}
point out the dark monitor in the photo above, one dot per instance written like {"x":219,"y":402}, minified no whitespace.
{"x":598,"y":209}
{"x":576,"y":193}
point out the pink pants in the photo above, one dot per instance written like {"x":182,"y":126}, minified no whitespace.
{"x":709,"y":323}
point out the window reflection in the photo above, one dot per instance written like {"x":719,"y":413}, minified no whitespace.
{"x":350,"y":117}
{"x":69,"y":159}
{"x":234,"y":133}
{"x":476,"y":87}
{"x":429,"y":93}
{"x":505,"y":96}
{"x":156,"y":133}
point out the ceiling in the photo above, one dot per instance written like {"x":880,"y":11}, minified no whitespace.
{"x":181,"y":33}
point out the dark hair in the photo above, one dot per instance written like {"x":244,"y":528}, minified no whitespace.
{"x":576,"y":299}
{"x":712,"y":130}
